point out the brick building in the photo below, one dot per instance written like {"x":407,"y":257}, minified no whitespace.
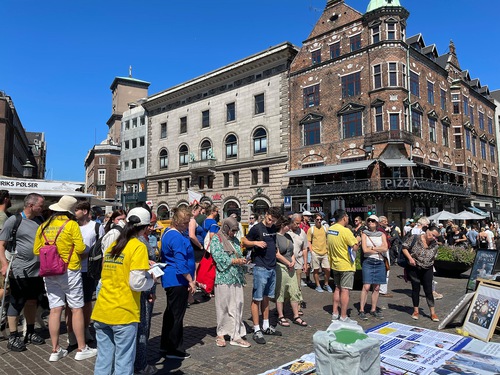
{"x":381,"y":122}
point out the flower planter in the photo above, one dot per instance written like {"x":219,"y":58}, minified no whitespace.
{"x":450,"y":269}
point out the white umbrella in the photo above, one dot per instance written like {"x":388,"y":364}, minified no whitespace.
{"x":466,"y":215}
{"x":442,"y":215}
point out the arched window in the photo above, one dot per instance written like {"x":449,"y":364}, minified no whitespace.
{"x":183,"y":155}
{"x":205,"y":148}
{"x":163,"y":159}
{"x":231,"y":146}
{"x":260,"y":141}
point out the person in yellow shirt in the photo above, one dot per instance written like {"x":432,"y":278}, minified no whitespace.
{"x":117,"y":310}
{"x":316,"y":235}
{"x":342,"y":247}
{"x":66,"y":288}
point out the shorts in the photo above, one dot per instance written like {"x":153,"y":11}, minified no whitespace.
{"x":88,"y":284}
{"x":66,"y":288}
{"x":319,"y":261}
{"x":344,"y":279}
{"x":264,"y":283}
{"x":22,"y":290}
{"x":374,"y":271}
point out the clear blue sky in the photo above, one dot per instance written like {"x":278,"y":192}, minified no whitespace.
{"x":60,"y":57}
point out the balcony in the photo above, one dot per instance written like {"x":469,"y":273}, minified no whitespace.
{"x":391,"y":136}
{"x":202,"y":165}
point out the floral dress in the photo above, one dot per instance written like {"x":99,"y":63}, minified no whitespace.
{"x":227,"y":273}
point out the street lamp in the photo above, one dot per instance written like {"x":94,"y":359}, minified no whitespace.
{"x":308,"y":184}
{"x":28,"y":169}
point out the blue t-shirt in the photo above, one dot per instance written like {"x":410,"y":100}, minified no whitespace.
{"x":177,"y":252}
{"x":264,"y":257}
{"x":210,"y":225}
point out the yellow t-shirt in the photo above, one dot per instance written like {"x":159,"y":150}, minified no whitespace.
{"x":117,"y":303}
{"x":69,"y":236}
{"x":317,"y":239}
{"x":339,"y":238}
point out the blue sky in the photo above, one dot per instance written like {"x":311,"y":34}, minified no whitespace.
{"x":60,"y":57}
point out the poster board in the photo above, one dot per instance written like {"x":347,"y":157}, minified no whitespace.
{"x":481,"y":319}
{"x":461,"y":308}
{"x":483,"y":267}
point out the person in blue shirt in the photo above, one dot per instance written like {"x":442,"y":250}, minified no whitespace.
{"x":178,"y":282}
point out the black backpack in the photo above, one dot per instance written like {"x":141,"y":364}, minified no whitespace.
{"x":95,"y":259}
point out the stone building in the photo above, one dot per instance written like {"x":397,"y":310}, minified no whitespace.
{"x":381,"y":123}
{"x":223,"y":134}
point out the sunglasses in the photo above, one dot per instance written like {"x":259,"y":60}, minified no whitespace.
{"x":371,"y":221}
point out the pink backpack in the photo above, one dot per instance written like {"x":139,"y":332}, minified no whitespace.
{"x":51,"y":263}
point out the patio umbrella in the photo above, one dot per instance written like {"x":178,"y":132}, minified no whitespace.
{"x":442,"y":215}
{"x":466,"y":215}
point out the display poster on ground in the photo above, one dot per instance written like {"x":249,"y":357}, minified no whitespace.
{"x":408,"y":350}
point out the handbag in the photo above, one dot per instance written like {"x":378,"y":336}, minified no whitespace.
{"x":51,"y":263}
{"x":206,"y":272}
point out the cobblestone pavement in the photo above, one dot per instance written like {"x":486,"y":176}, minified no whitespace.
{"x":207,"y":358}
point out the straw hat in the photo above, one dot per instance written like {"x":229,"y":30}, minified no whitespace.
{"x":65,"y":204}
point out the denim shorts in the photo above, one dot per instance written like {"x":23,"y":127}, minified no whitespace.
{"x":264,"y":283}
{"x":374,"y":271}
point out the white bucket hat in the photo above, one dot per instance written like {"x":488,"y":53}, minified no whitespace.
{"x":66,"y":204}
{"x":139,"y":216}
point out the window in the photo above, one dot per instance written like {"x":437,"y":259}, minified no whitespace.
{"x":316,"y":57}
{"x":311,"y":96}
{"x":265,"y":175}
{"x":375,"y":34}
{"x":430,"y":92}
{"x":467,"y":139}
{"x":432,"y":130}
{"x":312,"y":133}
{"x":118,"y":175}
{"x":471,"y":113}
{"x":351,"y":85}
{"x":179,"y":184}
{"x":394,"y":121}
{"x":163,"y":159}
{"x":163,"y":130}
{"x":127,"y":125}
{"x":474,"y":140}
{"x":379,"y":123}
{"x":352,"y":125}
{"x":142,"y":120}
{"x":483,"y":149}
{"x":458,"y":141}
{"x":210,"y":182}
{"x":377,"y":76}
{"x":126,"y":145}
{"x":255,"y":176}
{"x":416,"y":123}
{"x":405,"y":77}
{"x":446,"y":136}
{"x":102,"y":160}
{"x":259,"y":141}
{"x":490,"y":125}
{"x":481,"y":120}
{"x":205,"y":149}
{"x":134,"y":143}
{"x":355,"y":42}
{"x":335,"y":50}
{"x":466,"y":106}
{"x":492,"y":153}
{"x":230,"y":112}
{"x":183,"y":125}
{"x":259,"y":104}
{"x":133,"y":163}
{"x":101,"y":177}
{"x":183,"y":155}
{"x":186,"y":184}
{"x":126,"y":166}
{"x":485,"y":184}
{"x":231,"y":146}
{"x":393,"y":74}
{"x":455,"y":99}
{"x":142,"y":141}
{"x":205,"y":119}
{"x":236,"y":178}
{"x":443,"y":99}
{"x":391,"y":31}
{"x":414,"y":83}
{"x":160,"y":187}
{"x":201,"y":182}
{"x":134,"y":123}
{"x":141,"y":162}
{"x":226,"y":180}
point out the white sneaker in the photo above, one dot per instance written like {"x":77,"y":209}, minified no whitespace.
{"x":85,"y":353}
{"x":61,"y":353}
{"x":348,"y":320}
{"x":335,"y":317}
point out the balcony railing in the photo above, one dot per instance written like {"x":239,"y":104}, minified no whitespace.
{"x":391,"y":136}
{"x":381,"y":186}
{"x":200,"y":165}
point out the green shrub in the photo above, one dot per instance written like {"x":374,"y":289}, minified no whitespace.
{"x":456,"y":254}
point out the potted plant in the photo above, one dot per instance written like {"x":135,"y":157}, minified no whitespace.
{"x":452,"y":261}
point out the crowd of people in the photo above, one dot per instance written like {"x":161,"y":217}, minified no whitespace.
{"x":282,"y":251}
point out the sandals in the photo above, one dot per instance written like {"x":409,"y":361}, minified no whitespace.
{"x":301,"y":312}
{"x":298,"y":320}
{"x":282,"y":321}
{"x":220,"y":341}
